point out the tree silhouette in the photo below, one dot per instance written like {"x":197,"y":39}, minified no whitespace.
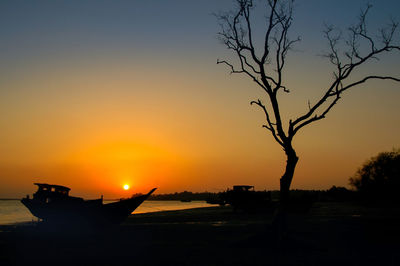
{"x":264,"y":64}
{"x":379,"y":177}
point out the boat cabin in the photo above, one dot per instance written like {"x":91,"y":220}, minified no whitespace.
{"x":47,"y":191}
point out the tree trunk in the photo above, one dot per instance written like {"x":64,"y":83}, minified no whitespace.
{"x":279,"y":221}
{"x":286,"y":179}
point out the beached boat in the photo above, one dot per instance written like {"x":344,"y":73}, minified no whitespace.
{"x":244,"y":197}
{"x":52,"y":203}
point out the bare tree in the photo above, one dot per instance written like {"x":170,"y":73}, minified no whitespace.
{"x":264,"y":64}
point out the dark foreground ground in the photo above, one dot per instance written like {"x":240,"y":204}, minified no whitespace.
{"x":329,"y":234}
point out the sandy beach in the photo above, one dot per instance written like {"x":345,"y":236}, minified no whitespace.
{"x":329,"y":234}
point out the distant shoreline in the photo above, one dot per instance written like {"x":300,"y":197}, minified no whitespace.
{"x":10,"y":199}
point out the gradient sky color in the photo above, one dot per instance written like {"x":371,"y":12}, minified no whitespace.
{"x":98,"y":94}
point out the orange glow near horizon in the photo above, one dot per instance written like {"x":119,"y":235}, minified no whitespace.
{"x":122,"y":163}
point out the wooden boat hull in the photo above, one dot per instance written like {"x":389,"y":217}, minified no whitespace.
{"x":80,"y":211}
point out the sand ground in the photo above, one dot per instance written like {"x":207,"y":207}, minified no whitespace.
{"x":329,"y":234}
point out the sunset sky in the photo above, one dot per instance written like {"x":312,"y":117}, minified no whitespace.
{"x":98,"y":94}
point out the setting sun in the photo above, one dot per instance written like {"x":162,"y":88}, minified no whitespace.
{"x":126,"y":187}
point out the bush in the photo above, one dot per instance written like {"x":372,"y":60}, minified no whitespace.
{"x":338,"y":194}
{"x":378,"y":178}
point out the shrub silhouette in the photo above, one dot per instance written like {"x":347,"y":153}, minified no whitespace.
{"x":378,"y":178}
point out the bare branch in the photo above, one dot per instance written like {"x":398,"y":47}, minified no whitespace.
{"x":270,"y":126}
{"x":364,"y":80}
{"x":230,"y":65}
{"x":242,"y":70}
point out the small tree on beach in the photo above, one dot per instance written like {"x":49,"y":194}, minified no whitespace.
{"x":264,"y":64}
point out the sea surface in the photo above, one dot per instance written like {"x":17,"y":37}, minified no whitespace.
{"x":13,"y":211}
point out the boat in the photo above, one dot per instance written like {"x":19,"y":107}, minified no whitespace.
{"x":53,"y":204}
{"x":244,"y":197}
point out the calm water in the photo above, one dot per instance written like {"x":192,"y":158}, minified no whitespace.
{"x":12,"y":211}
